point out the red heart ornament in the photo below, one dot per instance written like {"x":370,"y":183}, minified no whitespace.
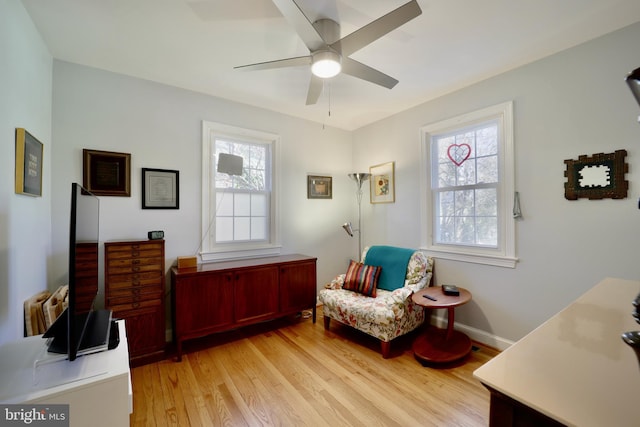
{"x":458,"y":153}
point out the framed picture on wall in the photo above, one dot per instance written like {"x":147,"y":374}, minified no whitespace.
{"x":160,"y":189}
{"x":319,"y":187}
{"x":29,"y":152}
{"x":106,"y":173}
{"x":383,"y":183}
{"x":597,"y":177}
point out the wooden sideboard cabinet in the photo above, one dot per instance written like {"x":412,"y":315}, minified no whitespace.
{"x":220,"y":296}
{"x":134,"y":290}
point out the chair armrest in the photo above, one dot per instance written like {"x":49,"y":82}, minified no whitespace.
{"x":400,"y":295}
{"x":423,"y":283}
{"x":336,"y":283}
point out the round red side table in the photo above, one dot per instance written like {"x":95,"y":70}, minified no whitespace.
{"x":437,"y":345}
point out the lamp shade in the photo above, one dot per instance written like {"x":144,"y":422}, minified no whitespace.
{"x":348,"y":228}
{"x":230,"y":164}
{"x":326,"y":64}
{"x":633,"y":80}
{"x":359,"y":178}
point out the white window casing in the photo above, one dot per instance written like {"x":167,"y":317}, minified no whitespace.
{"x":502,"y":252}
{"x":224,"y":247}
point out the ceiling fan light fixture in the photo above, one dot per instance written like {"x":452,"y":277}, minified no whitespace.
{"x":326,"y":64}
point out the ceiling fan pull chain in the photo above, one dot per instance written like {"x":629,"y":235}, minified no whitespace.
{"x":329,"y":97}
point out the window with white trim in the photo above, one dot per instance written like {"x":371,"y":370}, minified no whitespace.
{"x":468,"y":181}
{"x":239,"y":211}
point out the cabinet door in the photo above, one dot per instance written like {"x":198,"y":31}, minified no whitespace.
{"x":203,"y":302}
{"x":145,"y":329}
{"x":297,"y":286}
{"x":256,"y":293}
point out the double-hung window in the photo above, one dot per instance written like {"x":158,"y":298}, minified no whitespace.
{"x":239,"y":207}
{"x":468,"y":173}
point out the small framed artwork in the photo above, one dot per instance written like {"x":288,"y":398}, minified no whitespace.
{"x":597,"y":177}
{"x":319,"y":187}
{"x":383,"y":183}
{"x":106,"y":173}
{"x":29,"y":153}
{"x":160,"y":189}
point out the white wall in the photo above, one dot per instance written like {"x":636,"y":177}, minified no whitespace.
{"x":160,"y":126}
{"x":570,"y":104}
{"x":25,"y":222}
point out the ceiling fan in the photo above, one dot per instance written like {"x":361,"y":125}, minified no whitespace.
{"x":329,"y":54}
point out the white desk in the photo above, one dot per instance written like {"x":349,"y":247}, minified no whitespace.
{"x":97,"y":387}
{"x":574,"y":368}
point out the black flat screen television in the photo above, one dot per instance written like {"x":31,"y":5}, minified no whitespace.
{"x":80,"y":329}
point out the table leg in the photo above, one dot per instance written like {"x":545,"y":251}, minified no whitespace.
{"x":450,"y":321}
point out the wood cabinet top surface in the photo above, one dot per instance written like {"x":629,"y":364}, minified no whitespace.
{"x":132,"y":242}
{"x":242,"y":263}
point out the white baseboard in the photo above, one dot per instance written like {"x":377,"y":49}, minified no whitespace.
{"x":478,"y":335}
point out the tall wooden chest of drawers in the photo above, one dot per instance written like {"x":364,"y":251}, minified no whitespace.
{"x":134,"y":290}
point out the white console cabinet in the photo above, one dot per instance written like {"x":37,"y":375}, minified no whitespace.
{"x":574,"y":369}
{"x":97,"y":387}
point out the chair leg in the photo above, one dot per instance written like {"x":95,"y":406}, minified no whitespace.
{"x":327,"y":320}
{"x":386,"y":349}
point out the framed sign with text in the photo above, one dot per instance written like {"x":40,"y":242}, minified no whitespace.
{"x":29,"y":152}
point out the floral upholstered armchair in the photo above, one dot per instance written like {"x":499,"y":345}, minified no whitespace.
{"x":384,"y":313}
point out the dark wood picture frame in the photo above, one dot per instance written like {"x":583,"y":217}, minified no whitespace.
{"x":29,"y":157}
{"x":613,"y":171}
{"x":319,"y":187}
{"x":160,"y":189}
{"x":106,"y":173}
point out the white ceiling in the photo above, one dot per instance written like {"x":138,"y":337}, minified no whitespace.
{"x":194,"y":44}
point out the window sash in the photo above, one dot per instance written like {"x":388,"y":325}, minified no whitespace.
{"x":235,"y":213}
{"x":237,"y":218}
{"x":256,"y":168}
{"x":459,"y":219}
{"x":462,"y":182}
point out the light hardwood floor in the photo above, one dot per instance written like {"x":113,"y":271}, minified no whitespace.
{"x":292,"y":373}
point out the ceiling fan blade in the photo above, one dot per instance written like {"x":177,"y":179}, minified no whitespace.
{"x":279,"y":63}
{"x":294,"y":16}
{"x":378,"y":28}
{"x":315,"y":89}
{"x":364,"y":72}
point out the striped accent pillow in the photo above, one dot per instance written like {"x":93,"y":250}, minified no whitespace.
{"x":362,"y":278}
